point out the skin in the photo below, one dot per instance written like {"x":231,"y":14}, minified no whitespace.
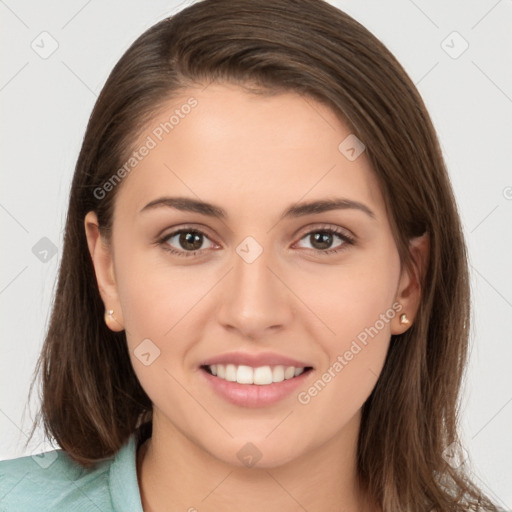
{"x":254,"y":156}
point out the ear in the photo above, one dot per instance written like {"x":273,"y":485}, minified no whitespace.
{"x":104,"y":269}
{"x":409,"y":288}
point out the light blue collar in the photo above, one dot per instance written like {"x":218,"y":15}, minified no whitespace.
{"x":124,"y":487}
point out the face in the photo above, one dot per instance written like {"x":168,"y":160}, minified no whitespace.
{"x":221,"y":264}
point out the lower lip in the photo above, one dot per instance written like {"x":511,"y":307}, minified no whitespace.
{"x":254,"y":395}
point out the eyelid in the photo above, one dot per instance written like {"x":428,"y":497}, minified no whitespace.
{"x":173,"y":230}
{"x":341,"y":231}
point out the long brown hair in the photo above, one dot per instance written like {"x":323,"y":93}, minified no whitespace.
{"x":91,"y":399}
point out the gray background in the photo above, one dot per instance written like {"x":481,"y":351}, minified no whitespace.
{"x":45,"y":104}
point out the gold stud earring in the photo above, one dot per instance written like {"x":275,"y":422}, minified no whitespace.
{"x":404,"y":320}
{"x":108,"y":315}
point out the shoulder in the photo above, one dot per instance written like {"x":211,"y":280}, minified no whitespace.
{"x":52,"y":481}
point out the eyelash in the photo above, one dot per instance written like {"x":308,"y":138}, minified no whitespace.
{"x":348,"y":241}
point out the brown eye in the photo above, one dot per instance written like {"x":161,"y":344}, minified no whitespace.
{"x":187,"y":240}
{"x":190,"y":241}
{"x":323,"y":240}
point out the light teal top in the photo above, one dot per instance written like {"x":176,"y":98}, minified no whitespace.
{"x":52,"y":481}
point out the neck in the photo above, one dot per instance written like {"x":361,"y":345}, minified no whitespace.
{"x":175,"y":475}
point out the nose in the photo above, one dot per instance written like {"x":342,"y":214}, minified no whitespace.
{"x":254,"y":299}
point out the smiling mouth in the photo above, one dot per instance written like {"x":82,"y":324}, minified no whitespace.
{"x":260,"y":376}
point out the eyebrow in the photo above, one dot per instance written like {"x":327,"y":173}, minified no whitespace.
{"x":187,"y":204}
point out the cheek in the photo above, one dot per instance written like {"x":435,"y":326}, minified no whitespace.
{"x":155,"y":299}
{"x":351,"y":297}
{"x":355,"y":356}
{"x":155,"y":295}
{"x":352,"y":326}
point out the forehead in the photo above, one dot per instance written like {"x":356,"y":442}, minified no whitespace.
{"x":224,"y":144}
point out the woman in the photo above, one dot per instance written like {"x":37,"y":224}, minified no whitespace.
{"x":263,"y":299}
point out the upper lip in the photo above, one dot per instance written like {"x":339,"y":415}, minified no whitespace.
{"x":255,"y":360}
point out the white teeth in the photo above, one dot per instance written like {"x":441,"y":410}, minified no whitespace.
{"x":231,"y":373}
{"x":261,"y":376}
{"x":278,"y":374}
{"x":244,"y":375}
{"x":289,"y":372}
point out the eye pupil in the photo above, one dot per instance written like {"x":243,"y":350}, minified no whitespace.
{"x":190,"y":240}
{"x":321,"y":240}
